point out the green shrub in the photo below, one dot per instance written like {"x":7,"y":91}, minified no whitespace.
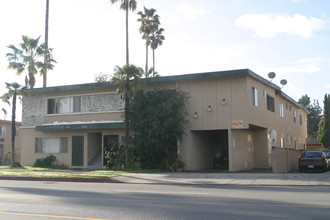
{"x":115,"y":158}
{"x":48,"y":162}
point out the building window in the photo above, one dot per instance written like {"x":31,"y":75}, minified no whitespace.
{"x":265,"y":93}
{"x":3,"y":131}
{"x":281,"y":110}
{"x":270,"y":103}
{"x":2,"y":139}
{"x":254,"y":96}
{"x":51,"y":145}
{"x":64,"y":105}
{"x":294,"y":116}
{"x":300,"y":119}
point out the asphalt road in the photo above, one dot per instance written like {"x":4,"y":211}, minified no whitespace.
{"x":66,"y":200}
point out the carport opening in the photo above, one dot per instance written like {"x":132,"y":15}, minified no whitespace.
{"x":212,"y":149}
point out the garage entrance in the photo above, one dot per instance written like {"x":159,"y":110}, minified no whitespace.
{"x":211,"y":149}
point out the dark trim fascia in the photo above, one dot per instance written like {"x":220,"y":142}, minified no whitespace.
{"x":80,"y":126}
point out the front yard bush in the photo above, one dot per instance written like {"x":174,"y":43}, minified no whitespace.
{"x":48,"y":162}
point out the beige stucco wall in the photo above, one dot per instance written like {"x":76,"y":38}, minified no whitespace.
{"x":249,"y":147}
{"x":29,"y":135}
{"x":241,"y":151}
{"x":7,"y":144}
{"x":229,"y":99}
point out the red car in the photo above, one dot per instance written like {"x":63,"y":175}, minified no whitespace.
{"x":313,"y":160}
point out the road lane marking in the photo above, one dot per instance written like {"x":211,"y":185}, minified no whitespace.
{"x":50,"y":216}
{"x":157,"y":192}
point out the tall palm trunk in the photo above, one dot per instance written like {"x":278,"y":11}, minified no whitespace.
{"x":127,"y":104}
{"x":13,"y":128}
{"x":146,"y":71}
{"x":46,"y":43}
{"x":153,"y":62}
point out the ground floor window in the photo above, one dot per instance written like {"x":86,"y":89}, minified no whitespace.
{"x":51,"y":145}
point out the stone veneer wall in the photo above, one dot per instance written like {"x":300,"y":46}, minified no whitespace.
{"x":35,"y":106}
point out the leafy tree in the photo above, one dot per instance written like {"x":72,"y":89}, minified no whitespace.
{"x":149,"y":24}
{"x":14,"y":90}
{"x":314,"y":116}
{"x":102,"y":77}
{"x":156,"y":39}
{"x":158,"y":120}
{"x":320,"y":132}
{"x":126,"y":5}
{"x":28,"y":58}
{"x":133,"y":74}
{"x":324,"y":129}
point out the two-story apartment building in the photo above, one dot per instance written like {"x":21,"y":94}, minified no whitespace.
{"x":238,"y":121}
{"x":5,"y":141}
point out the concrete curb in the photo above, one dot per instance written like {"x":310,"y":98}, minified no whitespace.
{"x":195,"y":178}
{"x":60,"y":179}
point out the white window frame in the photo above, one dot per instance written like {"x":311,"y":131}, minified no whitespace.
{"x":294,"y":116}
{"x":3,"y":131}
{"x":255,"y":97}
{"x":64,"y":105}
{"x":281,"y":110}
{"x":53,"y":145}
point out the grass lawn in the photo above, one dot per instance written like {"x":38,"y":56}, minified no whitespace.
{"x":29,"y":171}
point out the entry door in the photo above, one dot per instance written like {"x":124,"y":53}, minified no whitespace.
{"x":77,"y":150}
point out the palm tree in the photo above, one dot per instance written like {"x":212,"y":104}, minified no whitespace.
{"x":126,"y":5}
{"x":14,"y":90}
{"x":133,"y":74}
{"x":156,"y":40}
{"x":28,"y":57}
{"x":149,"y":24}
{"x":46,"y":55}
{"x":5,"y":100}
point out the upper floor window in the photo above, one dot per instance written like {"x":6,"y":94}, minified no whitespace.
{"x":270,"y":103}
{"x":3,"y":130}
{"x":300,"y":119}
{"x":254,"y":96}
{"x":63,"y":105}
{"x":281,"y":110}
{"x":294,"y":116}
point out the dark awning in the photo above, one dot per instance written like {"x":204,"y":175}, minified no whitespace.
{"x":63,"y":126}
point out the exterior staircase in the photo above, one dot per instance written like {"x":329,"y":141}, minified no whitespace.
{"x":96,"y":163}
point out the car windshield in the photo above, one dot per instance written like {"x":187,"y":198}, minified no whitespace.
{"x":312,"y":154}
{"x":327,"y":153}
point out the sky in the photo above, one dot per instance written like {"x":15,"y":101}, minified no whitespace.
{"x":288,"y":37}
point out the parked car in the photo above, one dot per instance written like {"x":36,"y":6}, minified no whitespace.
{"x":327,"y":152}
{"x":313,"y":160}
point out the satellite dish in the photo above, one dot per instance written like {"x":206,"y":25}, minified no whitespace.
{"x":283,"y":82}
{"x":271,"y":75}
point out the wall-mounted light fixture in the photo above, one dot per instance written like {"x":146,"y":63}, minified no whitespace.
{"x":223,"y":101}
{"x":209,"y":108}
{"x":195,"y":115}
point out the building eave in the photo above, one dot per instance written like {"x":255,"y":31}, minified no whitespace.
{"x":63,"y":126}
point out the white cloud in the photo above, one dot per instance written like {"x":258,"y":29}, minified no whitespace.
{"x":271,"y":25}
{"x":189,"y":10}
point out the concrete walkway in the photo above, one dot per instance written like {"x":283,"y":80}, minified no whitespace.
{"x":201,"y":178}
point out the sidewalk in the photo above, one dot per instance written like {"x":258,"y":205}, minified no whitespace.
{"x":200,"y":178}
